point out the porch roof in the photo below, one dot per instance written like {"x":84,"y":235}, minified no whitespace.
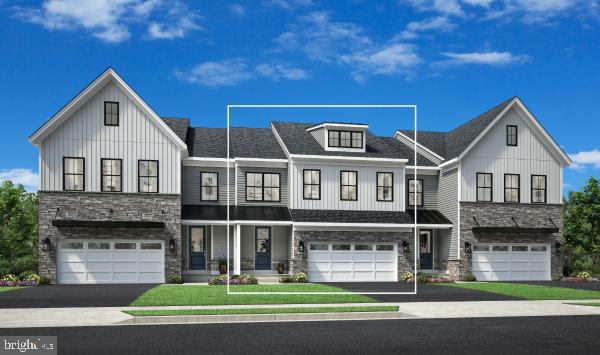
{"x":236,"y":213}
{"x":106,"y":224}
{"x":516,"y":224}
{"x":429,"y":217}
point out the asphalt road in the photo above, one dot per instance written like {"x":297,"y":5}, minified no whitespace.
{"x":574,"y":335}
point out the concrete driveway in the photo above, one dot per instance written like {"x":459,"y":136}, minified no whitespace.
{"x":425,"y":292}
{"x":59,"y":296}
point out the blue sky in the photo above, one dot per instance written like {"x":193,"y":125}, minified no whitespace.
{"x":452,"y":58}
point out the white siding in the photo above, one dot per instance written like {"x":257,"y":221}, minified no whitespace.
{"x":492,"y":155}
{"x":330,"y":188}
{"x":85,"y":135}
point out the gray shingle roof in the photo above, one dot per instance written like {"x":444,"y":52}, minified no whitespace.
{"x":244,"y":143}
{"x":298,"y":141}
{"x":451,"y":144}
{"x":407,"y":152}
{"x":178,"y":125}
{"x":382,"y":217}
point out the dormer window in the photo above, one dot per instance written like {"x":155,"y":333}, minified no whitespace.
{"x":111,"y":113}
{"x":345,"y":139}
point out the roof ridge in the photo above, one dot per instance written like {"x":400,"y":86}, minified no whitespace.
{"x":505,"y":102}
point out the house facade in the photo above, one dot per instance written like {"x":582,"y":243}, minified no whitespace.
{"x":128,"y":196}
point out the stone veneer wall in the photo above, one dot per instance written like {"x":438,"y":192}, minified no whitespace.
{"x":499,"y":214}
{"x":97,"y":207}
{"x":299,"y":262}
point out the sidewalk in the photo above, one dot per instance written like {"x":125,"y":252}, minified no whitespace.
{"x":104,"y":316}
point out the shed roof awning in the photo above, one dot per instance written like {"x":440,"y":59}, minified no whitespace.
{"x":106,"y":224}
{"x":236,"y":213}
{"x":515,"y":230}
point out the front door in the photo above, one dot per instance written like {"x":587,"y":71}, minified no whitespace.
{"x":425,"y":249}
{"x":263,"y":248}
{"x":197,"y":248}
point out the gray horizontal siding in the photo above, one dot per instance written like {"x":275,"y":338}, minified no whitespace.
{"x":448,"y":206}
{"x":430,"y":189}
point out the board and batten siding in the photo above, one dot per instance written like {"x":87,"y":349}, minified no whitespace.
{"x":85,"y":135}
{"x":241,"y":185}
{"x":191,"y":184}
{"x":430,"y":189}
{"x":448,"y":206}
{"x":530,"y":156}
{"x":330,"y":188}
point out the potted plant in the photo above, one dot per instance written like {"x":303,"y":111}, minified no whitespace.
{"x":280,"y":267}
{"x":222,"y":265}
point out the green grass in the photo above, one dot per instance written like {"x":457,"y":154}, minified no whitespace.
{"x":12,"y":288}
{"x":528,"y":292}
{"x":184,"y":295}
{"x":593,"y":304}
{"x":192,"y":312}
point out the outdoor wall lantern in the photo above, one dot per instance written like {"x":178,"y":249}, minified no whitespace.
{"x":468,"y":248}
{"x":301,"y":246}
{"x":558,"y":247}
{"x":172,"y":245}
{"x":46,"y":243}
{"x":405,"y":246}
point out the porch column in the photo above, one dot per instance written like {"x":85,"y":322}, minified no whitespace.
{"x":237,"y":250}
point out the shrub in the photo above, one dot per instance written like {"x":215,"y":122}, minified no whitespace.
{"x":222,"y":261}
{"x":25,"y":263}
{"x":235,"y":280}
{"x":408,"y":276}
{"x":45,"y":280}
{"x":297,"y":278}
{"x":5,"y":267}
{"x":583,"y":275}
{"x":469,"y":277}
{"x":10,"y":278}
{"x":423,"y":277}
{"x":174,"y":279}
{"x":23,"y":276}
{"x":286,"y":279}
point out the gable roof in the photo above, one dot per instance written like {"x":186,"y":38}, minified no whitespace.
{"x":244,"y":143}
{"x":457,"y":142}
{"x":178,"y":125}
{"x":109,"y":75}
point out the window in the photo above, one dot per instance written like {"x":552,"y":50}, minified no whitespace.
{"x":263,"y":187}
{"x":415,"y":192}
{"x":385,"y":186}
{"x":345,"y":139}
{"x":348,"y":185}
{"x":154,"y":246}
{"x":319,"y":247}
{"x":538,"y":248}
{"x":384,"y":247}
{"x":98,"y":245}
{"x":343,"y":247}
{"x":111,"y":113}
{"x":484,"y":187}
{"x":73,"y":174}
{"x":125,"y":246}
{"x":148,"y":176}
{"x":209,"y":186}
{"x":481,"y":248}
{"x":512,"y":190}
{"x":500,"y":248}
{"x":363,"y":247}
{"x":538,"y":188}
{"x":520,"y":248}
{"x":110,"y":171}
{"x":511,"y":136}
{"x":312,"y":184}
{"x":72,"y":245}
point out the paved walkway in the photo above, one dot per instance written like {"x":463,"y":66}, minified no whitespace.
{"x":102,"y":316}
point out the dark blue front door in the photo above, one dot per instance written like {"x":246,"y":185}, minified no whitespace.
{"x":425,"y":249}
{"x":197,"y":248}
{"x":263,"y":248}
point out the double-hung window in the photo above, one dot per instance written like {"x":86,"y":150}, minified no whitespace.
{"x":511,"y":136}
{"x":415,"y":192}
{"x":385,"y":186}
{"x":538,"y":189}
{"x":210,"y":186}
{"x":484,"y":187}
{"x":111,"y":113}
{"x":73,"y":174}
{"x":345,"y":139}
{"x":263,"y":187}
{"x":511,"y":188}
{"x":312,"y":184}
{"x":111,"y":173}
{"x":348,"y":185}
{"x":148,"y":176}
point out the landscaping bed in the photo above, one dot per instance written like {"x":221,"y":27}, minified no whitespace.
{"x":194,"y":312}
{"x":528,"y":292}
{"x":192,"y":295}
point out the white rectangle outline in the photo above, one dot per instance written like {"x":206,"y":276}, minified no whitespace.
{"x":414,"y":107}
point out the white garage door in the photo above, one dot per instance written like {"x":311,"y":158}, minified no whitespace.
{"x":338,"y":262}
{"x":511,"y":262}
{"x":106,"y":261}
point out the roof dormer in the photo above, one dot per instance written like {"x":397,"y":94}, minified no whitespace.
{"x":340,"y":137}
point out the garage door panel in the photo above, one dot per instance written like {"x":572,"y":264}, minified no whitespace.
{"x":125,"y":276}
{"x":364,"y":257}
{"x":361,"y":266}
{"x":319,"y":256}
{"x":538,"y":275}
{"x":318,"y":266}
{"x":99,"y":256}
{"x":539,"y":257}
{"x":74,"y":257}
{"x":481,"y":258}
{"x":537,"y":266}
{"x":520,"y":266}
{"x":151,"y":256}
{"x":385,"y":275}
{"x":520,"y":256}
{"x":75,"y":277}
{"x":95,"y":266}
{"x":96,"y":276}
{"x":339,"y":266}
{"x":125,"y":255}
{"x":385,"y":257}
{"x":126,"y":266}
{"x":505,"y":262}
{"x":482,"y":267}
{"x":72,"y":267}
{"x":341,"y":256}
{"x":500,"y":256}
{"x":341,"y":276}
{"x":520,"y":275}
{"x":151,"y":276}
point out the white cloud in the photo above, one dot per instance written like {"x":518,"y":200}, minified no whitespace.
{"x":110,"y":20}
{"x":232,"y":72}
{"x":237,"y":10}
{"x":287,"y":4}
{"x":583,"y":159}
{"x":412,"y":30}
{"x":342,"y":43}
{"x":482,"y":3}
{"x":278,"y":71}
{"x":25,"y":177}
{"x":484,"y":58}
{"x":448,"y":7}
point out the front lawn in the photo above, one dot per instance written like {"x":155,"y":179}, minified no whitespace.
{"x":193,"y":312}
{"x":528,"y":292}
{"x":200,"y":295}
{"x":11,"y":288}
